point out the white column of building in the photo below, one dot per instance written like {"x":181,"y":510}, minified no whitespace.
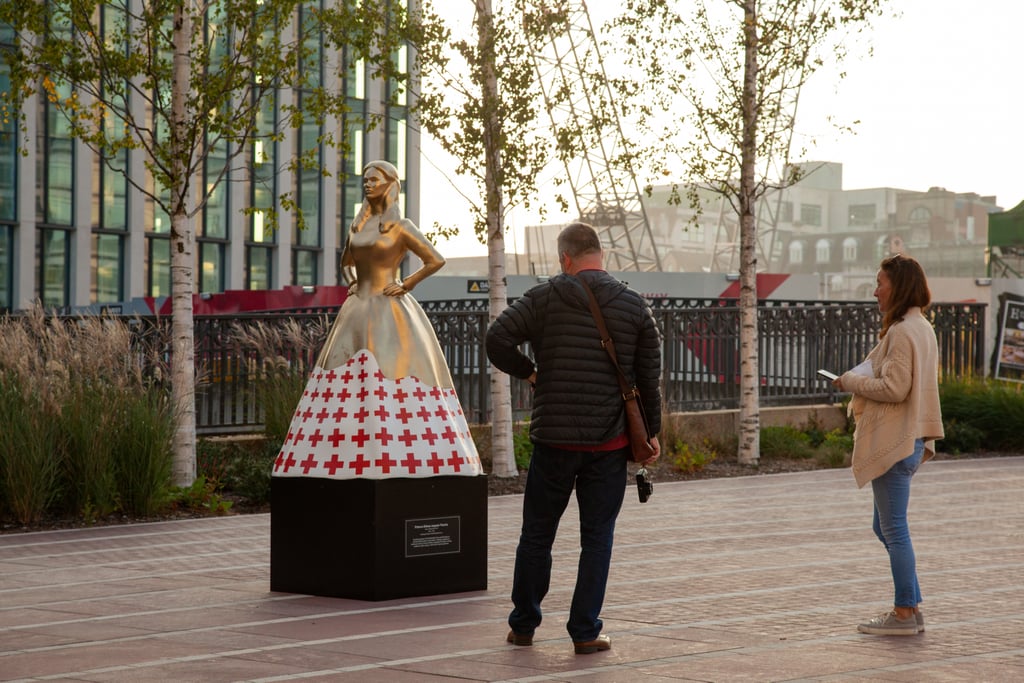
{"x":25,"y":236}
{"x":135,"y":249}
{"x":331,"y":160}
{"x":374,"y":141}
{"x":80,"y":260}
{"x":411,"y":150}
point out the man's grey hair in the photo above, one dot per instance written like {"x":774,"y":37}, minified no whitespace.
{"x":578,"y":239}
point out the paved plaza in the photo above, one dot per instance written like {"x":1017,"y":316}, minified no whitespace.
{"x":747,"y":579}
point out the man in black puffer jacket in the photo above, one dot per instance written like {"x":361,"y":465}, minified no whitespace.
{"x":578,"y":425}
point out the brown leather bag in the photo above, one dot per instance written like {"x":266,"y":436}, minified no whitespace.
{"x":637,"y":428}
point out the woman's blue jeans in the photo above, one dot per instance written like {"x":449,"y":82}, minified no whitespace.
{"x":892,"y":497}
{"x":599,"y":478}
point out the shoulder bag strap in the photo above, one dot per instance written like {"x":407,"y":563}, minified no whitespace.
{"x":606,"y":340}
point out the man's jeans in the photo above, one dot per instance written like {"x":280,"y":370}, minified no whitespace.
{"x":892,"y":496}
{"x":600,"y":481}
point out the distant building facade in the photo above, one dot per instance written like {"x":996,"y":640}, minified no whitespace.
{"x":814,"y":227}
{"x":73,"y":233}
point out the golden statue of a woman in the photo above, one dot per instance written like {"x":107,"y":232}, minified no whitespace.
{"x":380,"y":401}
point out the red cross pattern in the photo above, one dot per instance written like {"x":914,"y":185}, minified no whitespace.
{"x":353,"y":422}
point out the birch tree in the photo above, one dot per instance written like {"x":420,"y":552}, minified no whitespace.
{"x":481,"y":103}
{"x":175,"y":80}
{"x":716,"y":105}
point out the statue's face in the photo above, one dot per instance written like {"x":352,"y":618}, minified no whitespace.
{"x":375,"y":184}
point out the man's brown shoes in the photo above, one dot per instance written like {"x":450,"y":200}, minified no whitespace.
{"x":599,"y":644}
{"x":520,"y":639}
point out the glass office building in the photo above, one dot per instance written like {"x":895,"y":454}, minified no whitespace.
{"x":74,"y":233}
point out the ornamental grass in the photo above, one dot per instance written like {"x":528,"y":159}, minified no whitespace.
{"x":87,"y":419}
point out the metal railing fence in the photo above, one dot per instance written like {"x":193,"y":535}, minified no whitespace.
{"x":701,"y":353}
{"x":236,"y":353}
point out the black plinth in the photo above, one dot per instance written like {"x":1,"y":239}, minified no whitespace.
{"x":378,"y":539}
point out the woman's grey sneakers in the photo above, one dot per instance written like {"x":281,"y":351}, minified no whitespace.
{"x":889,"y":624}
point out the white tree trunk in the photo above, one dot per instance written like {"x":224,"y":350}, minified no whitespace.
{"x":749,"y":414}
{"x":503,"y":462}
{"x":183,"y":385}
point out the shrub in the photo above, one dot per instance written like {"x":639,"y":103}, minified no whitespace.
{"x":201,"y":496}
{"x":785,"y":442}
{"x":242,"y":467}
{"x":991,"y":407}
{"x":522,"y":447}
{"x":836,"y":449}
{"x":692,"y":459}
{"x":29,"y":470}
{"x":98,"y":426}
{"x":214,"y":459}
{"x":251,"y":472}
{"x":143,"y":453}
{"x":960,"y":438}
{"x":87,"y":418}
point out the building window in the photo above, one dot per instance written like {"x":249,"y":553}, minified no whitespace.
{"x":395,"y":133}
{"x":110,"y":192}
{"x":351,"y":200}
{"x":213,"y":231}
{"x":349,"y":187}
{"x":810,"y":214}
{"x":881,"y":247}
{"x":397,"y":115}
{"x":8,"y":190}
{"x":259,"y":274}
{"x":158,"y":249}
{"x":54,"y":192}
{"x":849,"y":250}
{"x":786,"y":212}
{"x":158,"y":265}
{"x":304,"y":267}
{"x":110,"y":228}
{"x":920,"y":215}
{"x":862,"y":214}
{"x":822,"y":251}
{"x":8,"y":157}
{"x":56,"y":163}
{"x":796,"y":252}
{"x":309,"y":185}
{"x":211,"y":266}
{"x":260,"y":240}
{"x":213,"y":235}
{"x":52,"y":267}
{"x":107,"y":268}
{"x":6,"y":268}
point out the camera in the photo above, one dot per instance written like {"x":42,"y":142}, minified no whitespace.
{"x":644,"y":487}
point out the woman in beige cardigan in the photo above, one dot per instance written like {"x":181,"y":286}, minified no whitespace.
{"x":896,"y":408}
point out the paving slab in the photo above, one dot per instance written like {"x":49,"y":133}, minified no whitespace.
{"x":760,"y":578}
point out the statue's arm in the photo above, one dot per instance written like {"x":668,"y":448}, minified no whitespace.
{"x":425,"y":250}
{"x":348,"y":268}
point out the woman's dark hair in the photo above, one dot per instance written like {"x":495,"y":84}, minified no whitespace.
{"x":909,"y":289}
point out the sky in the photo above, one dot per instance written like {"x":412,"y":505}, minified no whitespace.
{"x":939,"y":104}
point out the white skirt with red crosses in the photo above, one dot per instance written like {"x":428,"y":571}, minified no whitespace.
{"x":353,"y":422}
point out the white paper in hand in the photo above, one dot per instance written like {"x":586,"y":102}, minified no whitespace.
{"x":864,"y":369}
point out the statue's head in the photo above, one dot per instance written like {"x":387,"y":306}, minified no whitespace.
{"x":390,"y":176}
